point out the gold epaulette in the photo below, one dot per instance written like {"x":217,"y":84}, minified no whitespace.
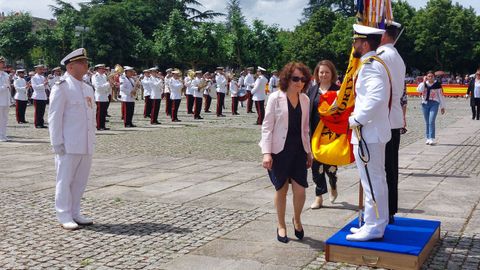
{"x":62,"y":80}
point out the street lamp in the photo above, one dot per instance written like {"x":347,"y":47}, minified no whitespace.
{"x":79,"y":30}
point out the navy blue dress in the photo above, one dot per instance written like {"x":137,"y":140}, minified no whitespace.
{"x":291,"y":162}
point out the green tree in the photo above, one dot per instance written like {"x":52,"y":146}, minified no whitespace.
{"x":16,"y":39}
{"x":444,"y":36}
{"x":404,"y":13}
{"x":265,"y":46}
{"x":343,"y":7}
{"x":237,"y":39}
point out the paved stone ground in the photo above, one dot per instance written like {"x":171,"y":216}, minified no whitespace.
{"x":179,"y":196}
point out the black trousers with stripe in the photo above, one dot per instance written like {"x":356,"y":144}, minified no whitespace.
{"x":220,"y":103}
{"x":391,"y":169}
{"x":128,"y":109}
{"x":102,"y":107}
{"x":20,"y":108}
{"x":39,"y":106}
{"x":175,"y":105}
{"x":155,"y":109}
{"x":260,"y":107}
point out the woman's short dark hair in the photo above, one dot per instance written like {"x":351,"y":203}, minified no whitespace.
{"x":330,"y":66}
{"x":286,"y":75}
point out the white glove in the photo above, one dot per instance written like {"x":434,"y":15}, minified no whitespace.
{"x":353,"y":123}
{"x":59,"y":149}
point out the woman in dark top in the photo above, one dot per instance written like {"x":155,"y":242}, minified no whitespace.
{"x":325,"y":76}
{"x":285,"y":144}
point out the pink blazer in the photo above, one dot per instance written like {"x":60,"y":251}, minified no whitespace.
{"x":275,"y":124}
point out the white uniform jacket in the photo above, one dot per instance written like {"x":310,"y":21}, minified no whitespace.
{"x":156,"y":85}
{"x":258,"y":90}
{"x":221,"y":83}
{"x":4,"y":89}
{"x":102,"y":87}
{"x":233,"y":88}
{"x":166,"y":89}
{"x":188,"y":85}
{"x":126,"y":88}
{"x":38,"y":85}
{"x":21,"y":89}
{"x":175,"y":89}
{"x":273,"y":84}
{"x":52,"y":80}
{"x":147,"y":86}
{"x":249,"y":82}
{"x":198,"y":93}
{"x":371,"y":102}
{"x":389,"y":54}
{"x":71,"y":116}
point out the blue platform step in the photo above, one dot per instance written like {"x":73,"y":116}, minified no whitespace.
{"x":406,"y":244}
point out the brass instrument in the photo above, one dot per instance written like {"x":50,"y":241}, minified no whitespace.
{"x":191,"y":74}
{"x":117,"y":71}
{"x":202,"y":84}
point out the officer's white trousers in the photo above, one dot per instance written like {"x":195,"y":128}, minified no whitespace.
{"x":376,"y":169}
{"x":3,"y":121}
{"x":73,"y":171}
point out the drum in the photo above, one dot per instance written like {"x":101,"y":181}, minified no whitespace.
{"x":242,"y":94}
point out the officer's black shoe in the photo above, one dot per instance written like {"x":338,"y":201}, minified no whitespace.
{"x":391,"y":219}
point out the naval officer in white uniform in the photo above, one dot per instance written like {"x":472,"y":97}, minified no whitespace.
{"x":71,"y":118}
{"x":4,"y":100}
{"x":389,"y":54}
{"x":371,"y":111}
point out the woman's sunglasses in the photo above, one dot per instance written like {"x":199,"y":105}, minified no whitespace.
{"x":297,"y":79}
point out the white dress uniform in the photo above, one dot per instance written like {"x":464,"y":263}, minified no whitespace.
{"x":147,"y":88}
{"x":233,"y":88}
{"x":21,"y":89}
{"x":221,"y":83}
{"x":127,"y":85}
{"x":197,"y":93}
{"x":52,"y":80}
{"x":258,"y":90}
{"x":249,"y":81}
{"x":4,"y":104}
{"x":273,"y":83}
{"x":38,"y":85}
{"x":175,"y":89}
{"x":71,"y":119}
{"x":371,"y":112}
{"x":102,"y":87}
{"x":389,"y":54}
{"x":157,"y":88}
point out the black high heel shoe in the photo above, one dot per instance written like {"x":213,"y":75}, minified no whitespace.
{"x":298,"y":234}
{"x":283,"y":239}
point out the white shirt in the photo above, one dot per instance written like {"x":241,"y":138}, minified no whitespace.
{"x":176,"y":89}
{"x":249,"y":81}
{"x":147,"y":86}
{"x":167,"y":84}
{"x":221,"y":83}
{"x":38,"y":85}
{"x":52,"y":80}
{"x":198,"y":93}
{"x":258,"y":90}
{"x":389,"y":54}
{"x":233,"y":88}
{"x":273,"y":83}
{"x":71,"y":116}
{"x":188,"y":85}
{"x":127,"y":85}
{"x":102,"y":87}
{"x":4,"y":89}
{"x":156,"y":87}
{"x":371,"y":102}
{"x":21,"y":89}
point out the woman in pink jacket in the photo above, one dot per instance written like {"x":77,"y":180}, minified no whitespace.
{"x":285,"y":143}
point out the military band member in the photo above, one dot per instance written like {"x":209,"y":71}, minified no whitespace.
{"x":176,"y":86}
{"x":4,"y":100}
{"x":127,"y":92}
{"x":39,"y":85}
{"x":166,"y":92}
{"x":72,"y":134}
{"x":221,"y":81}
{"x":102,"y":90}
{"x":258,"y":92}
{"x":395,"y":64}
{"x":198,"y":85}
{"x":147,"y":90}
{"x":241,"y":84}
{"x":234,"y":87}
{"x":157,"y":86}
{"x":206,"y":93}
{"x":189,"y":91}
{"x":370,"y":119}
{"x":249,"y":83}
{"x":273,"y":83}
{"x":55,"y":76}
{"x":21,"y":96}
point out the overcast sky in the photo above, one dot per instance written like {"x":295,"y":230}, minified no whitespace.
{"x":285,"y":13}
